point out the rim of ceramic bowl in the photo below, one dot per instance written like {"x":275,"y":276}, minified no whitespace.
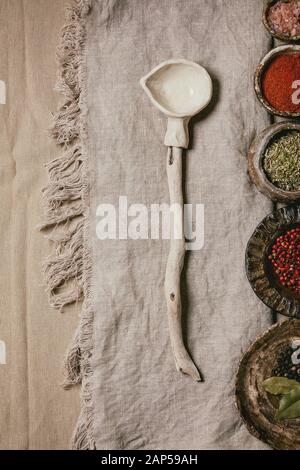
{"x":255,"y":162}
{"x":260,"y":69}
{"x":259,"y":271}
{"x":281,"y":37}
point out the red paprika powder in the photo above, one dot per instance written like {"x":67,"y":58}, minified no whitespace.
{"x":279,"y":83}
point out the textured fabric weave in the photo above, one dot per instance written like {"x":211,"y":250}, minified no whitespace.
{"x":139,"y":400}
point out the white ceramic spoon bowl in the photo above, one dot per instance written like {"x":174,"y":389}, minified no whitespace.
{"x":180,"y":89}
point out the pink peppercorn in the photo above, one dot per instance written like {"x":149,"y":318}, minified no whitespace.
{"x":285,"y":258}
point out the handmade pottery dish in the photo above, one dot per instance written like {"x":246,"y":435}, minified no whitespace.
{"x":180,"y":89}
{"x":260,"y":72}
{"x":266,"y":21}
{"x":256,"y":157}
{"x":256,"y":406}
{"x":270,"y":286}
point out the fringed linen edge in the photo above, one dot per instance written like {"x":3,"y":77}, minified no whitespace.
{"x":66,"y":204}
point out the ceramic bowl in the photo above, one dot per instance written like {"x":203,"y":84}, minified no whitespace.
{"x":260,"y":70}
{"x":256,"y":406}
{"x":255,"y":162}
{"x":180,"y":89}
{"x":259,"y":270}
{"x":281,"y":37}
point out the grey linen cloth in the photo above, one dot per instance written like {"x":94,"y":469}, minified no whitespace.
{"x":139,"y":400}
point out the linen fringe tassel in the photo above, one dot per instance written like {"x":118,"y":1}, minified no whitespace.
{"x":65,"y":202}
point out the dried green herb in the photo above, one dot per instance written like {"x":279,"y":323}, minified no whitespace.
{"x":279,"y":385}
{"x":281,"y":161}
{"x":289,"y":406}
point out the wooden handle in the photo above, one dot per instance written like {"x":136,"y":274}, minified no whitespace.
{"x":175,"y":264}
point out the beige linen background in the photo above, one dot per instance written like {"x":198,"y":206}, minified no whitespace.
{"x":140,"y":401}
{"x":35,"y":412}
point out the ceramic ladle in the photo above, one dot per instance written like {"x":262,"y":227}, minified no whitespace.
{"x":180,"y":89}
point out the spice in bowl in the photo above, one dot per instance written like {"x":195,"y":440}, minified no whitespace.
{"x":285,"y":366}
{"x":286,"y":382}
{"x":289,"y":389}
{"x":284,"y":18}
{"x":280,"y":83}
{"x":281,"y":161}
{"x":285,"y":259}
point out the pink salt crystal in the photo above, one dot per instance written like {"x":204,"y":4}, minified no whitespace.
{"x":284,"y":18}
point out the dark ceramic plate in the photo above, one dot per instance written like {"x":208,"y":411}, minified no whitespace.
{"x":256,"y":406}
{"x":259,"y":271}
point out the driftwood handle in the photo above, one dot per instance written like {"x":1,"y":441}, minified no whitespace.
{"x":175,"y":264}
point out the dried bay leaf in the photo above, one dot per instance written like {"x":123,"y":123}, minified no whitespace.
{"x":280,"y":385}
{"x":289,"y":406}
